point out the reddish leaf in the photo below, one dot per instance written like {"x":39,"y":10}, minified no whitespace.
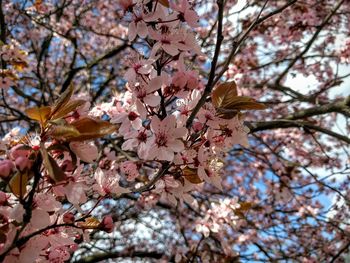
{"x":67,"y":108}
{"x":245,"y":103}
{"x":54,"y":171}
{"x":228,"y":104}
{"x":19,"y":65}
{"x":18,"y":183}
{"x":63,"y":100}
{"x":164,"y":2}
{"x":40,"y":114}
{"x":191,"y":175}
{"x":64,"y":131}
{"x":91,"y":129}
{"x":223,"y":94}
{"x":90,"y":223}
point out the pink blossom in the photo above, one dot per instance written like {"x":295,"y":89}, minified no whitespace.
{"x":107,"y":183}
{"x":87,"y":152}
{"x":129,"y":168}
{"x":145,"y":91}
{"x":166,"y":139}
{"x":137,"y":26}
{"x":128,"y":120}
{"x":6,"y":82}
{"x":168,"y":42}
{"x":76,"y":188}
{"x":68,"y":218}
{"x":23,"y":163}
{"x":137,"y":140}
{"x":137,"y":66}
{"x":186,"y":13}
{"x":20,"y":150}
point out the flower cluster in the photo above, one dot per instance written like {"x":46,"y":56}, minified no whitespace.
{"x":16,"y":59}
{"x":170,"y":144}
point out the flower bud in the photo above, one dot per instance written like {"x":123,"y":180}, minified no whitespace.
{"x":6,"y":167}
{"x":107,"y":224}
{"x":20,"y":150}
{"x":197,"y":126}
{"x":68,"y":218}
{"x":22,"y":163}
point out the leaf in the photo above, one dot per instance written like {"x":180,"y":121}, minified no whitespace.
{"x":18,"y":184}
{"x":19,"y":65}
{"x":66,"y":131}
{"x":63,"y":148}
{"x":191,"y":175}
{"x":228,"y":104}
{"x":164,"y":2}
{"x":226,"y":113}
{"x":91,"y":129}
{"x":58,"y":122}
{"x":40,"y":114}
{"x":67,"y":108}
{"x":54,"y":171}
{"x":63,"y":100}
{"x":38,"y":4}
{"x":3,"y":233}
{"x":223,"y":94}
{"x":245,"y":103}
{"x":90,"y":223}
{"x":58,"y":147}
{"x":245,"y":207}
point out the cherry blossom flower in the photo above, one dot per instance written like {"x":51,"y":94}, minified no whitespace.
{"x":137,"y":66}
{"x":167,"y":42}
{"x":186,"y":13}
{"x":87,"y":152}
{"x":6,"y":82}
{"x":145,"y":92}
{"x":166,"y":139}
{"x":137,"y":27}
{"x":137,"y":140}
{"x":129,"y":168}
{"x":129,"y":120}
{"x":107,"y":184}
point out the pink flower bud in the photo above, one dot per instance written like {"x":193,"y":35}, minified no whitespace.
{"x":22,"y":163}
{"x":6,"y":167}
{"x":107,"y":224}
{"x":68,"y":218}
{"x":20,"y":150}
{"x":197,"y":126}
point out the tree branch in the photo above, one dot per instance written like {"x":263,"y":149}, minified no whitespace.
{"x":310,"y":42}
{"x":282,"y":123}
{"x":108,"y":255}
{"x":210,"y":83}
